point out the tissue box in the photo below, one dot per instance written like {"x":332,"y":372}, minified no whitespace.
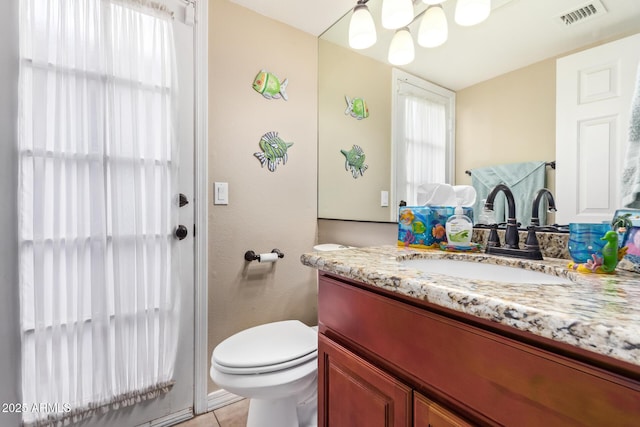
{"x":424,"y":226}
{"x":631,"y":260}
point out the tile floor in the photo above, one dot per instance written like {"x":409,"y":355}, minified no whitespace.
{"x":234,"y":415}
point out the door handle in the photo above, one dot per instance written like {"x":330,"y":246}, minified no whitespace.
{"x":181,"y":232}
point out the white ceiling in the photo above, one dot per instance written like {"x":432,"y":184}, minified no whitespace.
{"x":310,"y":16}
{"x":518,"y":33}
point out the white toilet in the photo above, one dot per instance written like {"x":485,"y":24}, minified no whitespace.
{"x":275,"y":365}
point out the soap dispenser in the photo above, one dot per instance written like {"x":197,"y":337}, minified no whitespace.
{"x":459,"y":228}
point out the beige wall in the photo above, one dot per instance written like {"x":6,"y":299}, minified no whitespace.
{"x":357,"y":233}
{"x":266,"y":209}
{"x":508,"y":119}
{"x":341,"y":72}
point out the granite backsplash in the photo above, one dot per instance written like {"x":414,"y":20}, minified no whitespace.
{"x":552,"y":245}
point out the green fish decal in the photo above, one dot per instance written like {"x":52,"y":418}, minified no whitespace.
{"x":357,"y":108}
{"x":354,"y":161}
{"x":274,"y":150}
{"x":270,"y":86}
{"x":419,"y":227}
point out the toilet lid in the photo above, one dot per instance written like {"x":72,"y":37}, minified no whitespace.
{"x":273,"y":344}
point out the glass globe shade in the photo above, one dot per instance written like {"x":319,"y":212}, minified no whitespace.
{"x":362,"y":30}
{"x":433,"y":29}
{"x":401,"y":50}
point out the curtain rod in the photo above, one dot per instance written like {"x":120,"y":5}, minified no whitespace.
{"x":551,"y":164}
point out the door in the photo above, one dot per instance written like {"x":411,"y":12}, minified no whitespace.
{"x":180,"y":399}
{"x":178,"y":402}
{"x":148,"y":303}
{"x":593,"y":104}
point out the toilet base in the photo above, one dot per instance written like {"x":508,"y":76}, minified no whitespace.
{"x":308,"y":412}
{"x":273,"y":413}
{"x":283,"y":412}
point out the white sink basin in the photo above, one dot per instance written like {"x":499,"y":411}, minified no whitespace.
{"x":483,"y":271}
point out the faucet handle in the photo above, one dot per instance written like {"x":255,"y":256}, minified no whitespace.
{"x":493,"y":239}
{"x":531,"y":243}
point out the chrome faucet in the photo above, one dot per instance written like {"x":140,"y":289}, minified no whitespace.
{"x":531,"y":249}
{"x":511,"y":238}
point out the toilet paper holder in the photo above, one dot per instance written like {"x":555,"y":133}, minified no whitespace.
{"x":252,"y":256}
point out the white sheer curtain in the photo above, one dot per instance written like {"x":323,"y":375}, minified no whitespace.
{"x":422,"y":145}
{"x":97,"y":183}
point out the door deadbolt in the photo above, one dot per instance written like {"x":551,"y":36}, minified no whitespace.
{"x":181,"y":232}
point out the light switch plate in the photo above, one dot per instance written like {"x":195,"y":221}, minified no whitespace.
{"x":220,"y":193}
{"x":384,"y":198}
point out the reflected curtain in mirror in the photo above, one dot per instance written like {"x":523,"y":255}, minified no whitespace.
{"x":423,"y":140}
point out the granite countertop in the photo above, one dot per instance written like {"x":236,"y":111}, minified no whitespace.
{"x":599,"y":313}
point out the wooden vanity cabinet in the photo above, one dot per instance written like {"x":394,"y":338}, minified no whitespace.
{"x":429,"y":414}
{"x":388,"y":362}
{"x":356,"y":393}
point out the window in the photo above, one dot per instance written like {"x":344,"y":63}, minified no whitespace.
{"x":423,"y":135}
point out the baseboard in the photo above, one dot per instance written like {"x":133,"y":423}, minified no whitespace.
{"x":215,"y":400}
{"x":220,"y":398}
{"x":171,"y":419}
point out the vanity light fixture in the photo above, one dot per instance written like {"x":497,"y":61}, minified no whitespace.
{"x":399,"y":15}
{"x":362,"y":30}
{"x":433,"y":30}
{"x":396,"y":13}
{"x":401,"y":50}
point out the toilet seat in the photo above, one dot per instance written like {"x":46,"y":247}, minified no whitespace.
{"x":268,"y":368}
{"x":266,"y":348}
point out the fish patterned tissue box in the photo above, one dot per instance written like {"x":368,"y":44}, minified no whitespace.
{"x":631,"y":259}
{"x":424,"y":226}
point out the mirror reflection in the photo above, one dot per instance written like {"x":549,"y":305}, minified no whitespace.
{"x":502,"y":72}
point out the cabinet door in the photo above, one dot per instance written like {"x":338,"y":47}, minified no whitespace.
{"x":429,"y":414}
{"x":354,"y":393}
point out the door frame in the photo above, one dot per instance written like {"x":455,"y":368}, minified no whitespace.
{"x":201,"y":69}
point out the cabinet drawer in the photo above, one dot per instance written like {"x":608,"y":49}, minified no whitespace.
{"x":483,"y":374}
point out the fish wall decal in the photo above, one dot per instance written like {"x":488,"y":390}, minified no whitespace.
{"x":354,"y":161}
{"x":269,"y":86}
{"x":357,"y":108}
{"x":274,"y":151}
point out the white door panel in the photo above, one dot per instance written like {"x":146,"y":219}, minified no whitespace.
{"x":178,"y":402}
{"x":180,"y":398}
{"x":593,"y":102}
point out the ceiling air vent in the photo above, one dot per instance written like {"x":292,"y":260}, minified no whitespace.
{"x":583,"y":13}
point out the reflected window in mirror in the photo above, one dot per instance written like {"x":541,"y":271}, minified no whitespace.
{"x":423,"y":135}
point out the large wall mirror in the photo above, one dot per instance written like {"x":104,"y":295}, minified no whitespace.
{"x":501,"y":70}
